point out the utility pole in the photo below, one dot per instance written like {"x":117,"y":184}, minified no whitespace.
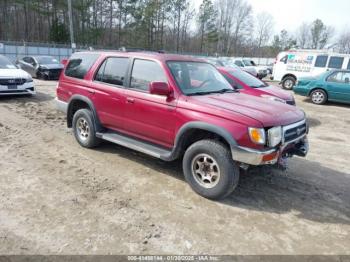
{"x":71,"y":31}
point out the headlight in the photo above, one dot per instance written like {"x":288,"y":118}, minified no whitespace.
{"x":274,"y":136}
{"x":257,"y":135}
{"x":273,"y":98}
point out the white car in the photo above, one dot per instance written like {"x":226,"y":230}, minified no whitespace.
{"x":247,"y":64}
{"x":14,"y":81}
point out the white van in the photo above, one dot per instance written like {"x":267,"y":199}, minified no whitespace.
{"x":291,"y":65}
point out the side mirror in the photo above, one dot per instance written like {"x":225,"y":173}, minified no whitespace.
{"x":64,"y":62}
{"x":347,"y":80}
{"x":159,"y":88}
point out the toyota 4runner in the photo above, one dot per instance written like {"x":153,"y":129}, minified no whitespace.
{"x":172,"y":106}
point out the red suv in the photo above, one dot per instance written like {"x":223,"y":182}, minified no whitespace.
{"x":172,"y":106}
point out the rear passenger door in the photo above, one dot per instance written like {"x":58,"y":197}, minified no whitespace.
{"x":109,"y":93}
{"x":149,"y":117}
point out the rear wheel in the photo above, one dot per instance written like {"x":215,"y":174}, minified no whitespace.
{"x":288,"y":82}
{"x":209,"y":169}
{"x":84,"y":129}
{"x":319,"y":97}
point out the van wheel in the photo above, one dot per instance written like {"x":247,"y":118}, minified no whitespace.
{"x":209,"y":169}
{"x":84,"y":129}
{"x":319,"y":97}
{"x":288,"y":82}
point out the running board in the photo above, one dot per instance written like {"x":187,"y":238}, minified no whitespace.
{"x":136,"y":145}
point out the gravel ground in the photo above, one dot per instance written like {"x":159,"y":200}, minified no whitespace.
{"x":58,"y":198}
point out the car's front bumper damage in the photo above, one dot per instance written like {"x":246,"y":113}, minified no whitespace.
{"x":253,"y":157}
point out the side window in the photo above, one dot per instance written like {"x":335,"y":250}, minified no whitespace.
{"x":346,"y":77}
{"x":349,"y":65}
{"x":321,"y":61}
{"x":336,"y":62}
{"x":336,"y":77}
{"x":145,"y":72}
{"x":80,"y":64}
{"x":113,"y":71}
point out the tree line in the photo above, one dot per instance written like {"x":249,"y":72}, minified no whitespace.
{"x":218,"y":27}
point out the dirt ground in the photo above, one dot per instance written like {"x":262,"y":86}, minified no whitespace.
{"x":58,"y":198}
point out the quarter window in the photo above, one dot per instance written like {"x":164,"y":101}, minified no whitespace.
{"x":80,"y":64}
{"x":321,"y":61}
{"x":113,"y":71}
{"x":336,"y":62}
{"x":144,"y":72}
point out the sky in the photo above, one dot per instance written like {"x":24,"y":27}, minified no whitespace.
{"x":289,"y":14}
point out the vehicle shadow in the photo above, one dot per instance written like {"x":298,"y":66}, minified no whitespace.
{"x":312,"y":191}
{"x":38,"y":97}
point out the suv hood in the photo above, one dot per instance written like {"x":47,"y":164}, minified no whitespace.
{"x":13,"y":73}
{"x":268,"y":113}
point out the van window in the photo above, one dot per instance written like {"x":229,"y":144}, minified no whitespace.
{"x":113,"y":70}
{"x":336,"y":62}
{"x":321,"y":61}
{"x":80,"y":64}
{"x":145,"y":72}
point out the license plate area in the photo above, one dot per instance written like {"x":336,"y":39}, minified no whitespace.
{"x":12,"y":87}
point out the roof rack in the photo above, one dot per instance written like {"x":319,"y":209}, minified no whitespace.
{"x":135,"y":49}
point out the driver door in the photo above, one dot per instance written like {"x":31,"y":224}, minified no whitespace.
{"x":147,"y":116}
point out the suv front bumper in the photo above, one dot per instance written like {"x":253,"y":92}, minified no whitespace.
{"x":299,"y":147}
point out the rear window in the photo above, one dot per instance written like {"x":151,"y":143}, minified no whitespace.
{"x":80,"y":64}
{"x":321,"y":61}
{"x":336,"y":62}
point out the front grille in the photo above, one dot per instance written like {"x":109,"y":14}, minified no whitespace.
{"x":295,"y":131}
{"x":12,"y":81}
{"x":55,"y":72}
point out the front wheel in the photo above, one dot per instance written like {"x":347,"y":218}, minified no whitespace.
{"x":209,"y":169}
{"x":288,"y":82}
{"x":319,"y":97}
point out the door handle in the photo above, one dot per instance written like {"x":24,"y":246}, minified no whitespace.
{"x":130,"y":100}
{"x":91,"y":91}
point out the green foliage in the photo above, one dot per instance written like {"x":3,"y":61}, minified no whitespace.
{"x":59,"y":32}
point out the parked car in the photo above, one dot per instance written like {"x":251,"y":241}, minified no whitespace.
{"x":14,"y":81}
{"x":41,"y":67}
{"x":246,"y":64}
{"x":294,"y":64}
{"x":251,"y":85}
{"x":172,"y":106}
{"x":214,"y":61}
{"x":330,"y":86}
{"x":250,"y":70}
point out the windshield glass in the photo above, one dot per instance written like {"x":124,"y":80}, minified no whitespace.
{"x":247,"y":78}
{"x":47,"y":60}
{"x":5,"y":63}
{"x":196,"y":78}
{"x":248,"y":62}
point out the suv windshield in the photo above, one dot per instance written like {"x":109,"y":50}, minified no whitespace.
{"x":247,"y":78}
{"x":197,"y":78}
{"x":5,"y":63}
{"x":47,"y":60}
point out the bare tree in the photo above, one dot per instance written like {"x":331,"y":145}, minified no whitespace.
{"x":303,"y":35}
{"x":344,"y":42}
{"x":264,"y":28}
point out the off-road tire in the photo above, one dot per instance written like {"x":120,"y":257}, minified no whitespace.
{"x":85,"y":116}
{"x":228,"y":169}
